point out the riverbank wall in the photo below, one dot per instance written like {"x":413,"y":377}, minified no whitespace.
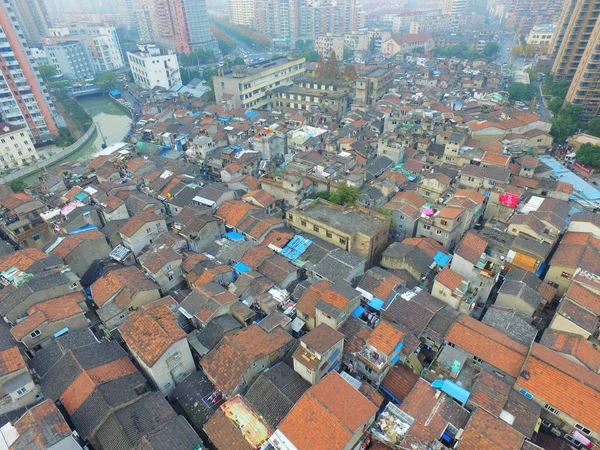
{"x":42,"y":164}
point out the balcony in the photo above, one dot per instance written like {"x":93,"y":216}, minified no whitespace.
{"x":486,"y":267}
{"x":375,"y":359}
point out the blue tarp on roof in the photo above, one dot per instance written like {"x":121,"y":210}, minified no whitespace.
{"x":441,"y":259}
{"x":396,"y":399}
{"x":81,"y":196}
{"x":376,"y":303}
{"x":563,"y":174}
{"x":250,"y":114}
{"x":115,"y":93}
{"x":241,"y":267}
{"x":234,"y":236}
{"x":540,"y":269}
{"x":296,"y":247}
{"x":395,"y":359}
{"x":451,"y":388}
{"x":225,"y":119}
{"x":62,"y":331}
{"x":82,"y":229}
{"x":412,"y":178}
{"x":196,"y":114}
{"x":358,"y":311}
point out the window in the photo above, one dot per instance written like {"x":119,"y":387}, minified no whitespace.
{"x":553,"y":410}
{"x":158,"y":226}
{"x":342,"y":241}
{"x":73,"y":286}
{"x":328,"y":234}
{"x":303,"y":223}
{"x":426,"y":227}
{"x":171,"y":276}
{"x":148,"y":230}
{"x":21,"y":391}
{"x":169,"y":267}
{"x":566,"y":275}
{"x":35,"y":333}
{"x":122,"y":316}
{"x":315,"y":228}
{"x":529,"y":395}
{"x":443,"y":222}
{"x":583,"y":429}
{"x":478,"y":360}
{"x":167,"y":386}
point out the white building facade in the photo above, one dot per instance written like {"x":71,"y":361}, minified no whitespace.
{"x":150,"y":68}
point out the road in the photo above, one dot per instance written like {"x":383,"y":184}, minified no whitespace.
{"x":134,"y":100}
{"x":543,"y":111}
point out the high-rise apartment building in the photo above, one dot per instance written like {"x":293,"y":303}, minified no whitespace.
{"x":33,"y":17}
{"x":574,"y":31}
{"x":525,"y":14}
{"x":24,"y":99}
{"x":71,"y":59}
{"x":241,"y":12}
{"x":454,"y":7}
{"x":183,"y":25}
{"x":585,"y":85}
{"x":272,"y":18}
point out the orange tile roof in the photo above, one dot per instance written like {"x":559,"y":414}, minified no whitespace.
{"x":71,"y":242}
{"x":584,"y":297}
{"x":41,"y":427}
{"x":137,"y":222}
{"x":485,"y":431}
{"x":332,"y":410}
{"x":387,"y":285}
{"x":495,"y":159}
{"x":233,"y":211}
{"x":385,"y":337}
{"x":256,"y":255}
{"x":210,"y":274}
{"x":489,"y":344}
{"x":449,"y":278}
{"x":128,"y":280}
{"x":470,"y":193}
{"x":410,"y":197}
{"x":471,"y":248}
{"x":150,"y":332}
{"x":262,"y":197}
{"x":278,"y":238}
{"x":11,"y":360}
{"x":564,"y":384}
{"x":22,"y":260}
{"x":311,"y":296}
{"x":450,"y":212}
{"x":15,"y":200}
{"x":112,"y":370}
{"x":574,"y":345}
{"x":335,"y":299}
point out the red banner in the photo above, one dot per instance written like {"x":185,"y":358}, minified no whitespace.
{"x":582,"y":167}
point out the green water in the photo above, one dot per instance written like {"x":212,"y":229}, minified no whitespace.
{"x":112,"y":120}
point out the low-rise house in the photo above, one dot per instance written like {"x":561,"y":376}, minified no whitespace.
{"x":280,"y":270}
{"x":158,"y":344}
{"x":199,"y":230}
{"x":434,"y":185}
{"x":354,"y":229}
{"x":113,"y":208}
{"x":24,"y":263}
{"x":42,"y":426}
{"x":578,"y":312}
{"x":206,"y":303}
{"x":340,"y":425}
{"x":120,"y":292}
{"x":339,"y":265}
{"x":319,"y":352}
{"x":416,"y":255}
{"x":141,"y":230}
{"x":260,"y":198}
{"x":49,"y":319}
{"x":574,"y":347}
{"x":572,"y":408}
{"x":23,"y":225}
{"x":524,"y":292}
{"x":511,"y":323}
{"x":454,"y":290}
{"x":379,"y":284}
{"x":444,"y":226}
{"x":239,"y":358}
{"x":290,"y":189}
{"x":163,"y":266}
{"x":16,"y":301}
{"x":80,"y":250}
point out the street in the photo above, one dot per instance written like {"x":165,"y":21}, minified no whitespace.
{"x":543,"y":111}
{"x":134,"y":101}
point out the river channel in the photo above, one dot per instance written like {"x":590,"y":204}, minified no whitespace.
{"x":112,"y":120}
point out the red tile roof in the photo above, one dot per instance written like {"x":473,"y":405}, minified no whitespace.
{"x":137,"y":222}
{"x":574,"y":345}
{"x":234,"y":211}
{"x":489,"y":344}
{"x":306,"y":304}
{"x":449,"y":278}
{"x":123,"y":283}
{"x":71,"y":242}
{"x":485,"y":431}
{"x":385,"y":337}
{"x":471,"y":248}
{"x":11,"y":360}
{"x":332,"y":410}
{"x":22,"y":260}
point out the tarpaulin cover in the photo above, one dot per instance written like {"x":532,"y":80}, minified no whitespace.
{"x":510,"y":200}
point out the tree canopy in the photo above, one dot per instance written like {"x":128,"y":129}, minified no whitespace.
{"x":107,"y":80}
{"x":521,"y":92}
{"x":588,"y":155}
{"x":310,"y":55}
{"x":565,"y":123}
{"x":461,"y":50}
{"x":593,"y":127}
{"x":344,"y":195}
{"x":491,"y":48}
{"x":47,"y":71}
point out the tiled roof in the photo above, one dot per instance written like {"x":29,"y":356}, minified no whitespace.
{"x":574,"y":345}
{"x":385,"y":337}
{"x":379,"y":282}
{"x":234,"y":211}
{"x":137,"y":222}
{"x":332,"y":409}
{"x":151,"y":332}
{"x":262,"y":197}
{"x":124,"y":283}
{"x":450,"y":212}
{"x":227,"y":363}
{"x":487,"y":431}
{"x":488,"y":344}
{"x":11,"y":360}
{"x":41,"y":427}
{"x":154,"y":261}
{"x":584,"y":297}
{"x":399,"y":381}
{"x":578,"y":252}
{"x":490,"y":393}
{"x":495,"y":159}
{"x":471,"y":248}
{"x":447,"y":277}
{"x":71,"y":242}
{"x":579,"y":393}
{"x":311,"y":296}
{"x":224,"y":434}
{"x":322,"y":338}
{"x":578,"y":315}
{"x":15,"y":200}
{"x":22,"y":260}
{"x":51,"y":310}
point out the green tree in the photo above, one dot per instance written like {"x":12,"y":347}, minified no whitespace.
{"x":593,"y":127}
{"x":589,"y":155}
{"x":188,"y":75}
{"x":564,"y":124}
{"x":348,"y":194}
{"x":350,"y":73}
{"x":348,"y":54}
{"x":521,"y":92}
{"x":310,"y":55}
{"x":47,"y":71}
{"x":332,"y":70}
{"x":107,"y":80}
{"x":239,"y":61}
{"x":555,"y":104}
{"x":491,"y":48}
{"x":17,"y":185}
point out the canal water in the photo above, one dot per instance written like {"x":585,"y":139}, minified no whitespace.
{"x":110,"y":118}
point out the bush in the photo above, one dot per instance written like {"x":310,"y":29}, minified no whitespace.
{"x":589,"y":155}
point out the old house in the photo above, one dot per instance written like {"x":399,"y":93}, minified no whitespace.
{"x":80,"y":250}
{"x":319,"y":352}
{"x":141,"y":230}
{"x":163,"y":266}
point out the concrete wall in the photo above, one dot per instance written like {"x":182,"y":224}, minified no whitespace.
{"x":510,"y":301}
{"x":554,"y":275}
{"x":142,"y":298}
{"x":560,"y":323}
{"x":86,"y":253}
{"x":51,"y":160}
{"x":74,"y":323}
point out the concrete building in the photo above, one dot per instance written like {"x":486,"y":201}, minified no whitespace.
{"x":16,"y":147}
{"x":72,"y":59}
{"x":158,"y":344}
{"x":33,"y":17}
{"x":369,"y":88}
{"x":273,"y":18}
{"x":525,"y":14}
{"x":150,"y":68}
{"x":330,"y":97}
{"x":541,"y":35}
{"x":241,"y":12}
{"x":102,"y":42}
{"x":454,"y":7}
{"x":24,"y":99}
{"x":141,"y":230}
{"x":356,"y":230}
{"x":251,"y":87}
{"x":325,"y":45}
{"x":319,"y":352}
